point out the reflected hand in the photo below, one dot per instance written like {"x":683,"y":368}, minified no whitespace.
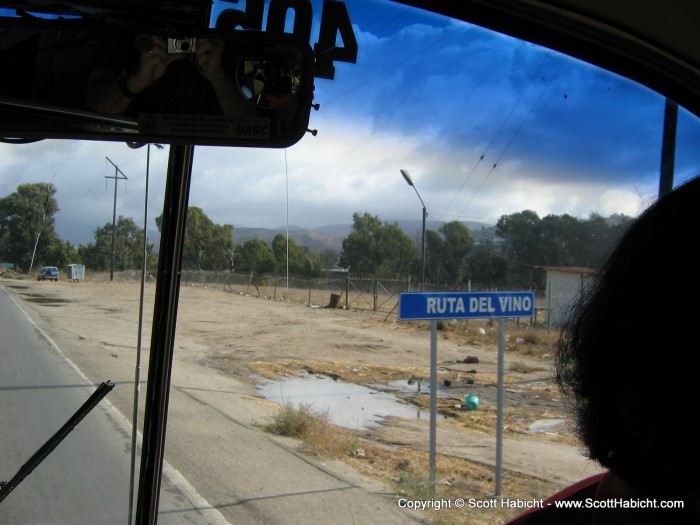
{"x":154,"y":60}
{"x":209,"y":54}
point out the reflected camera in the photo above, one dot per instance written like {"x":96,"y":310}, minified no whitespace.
{"x":182,"y":45}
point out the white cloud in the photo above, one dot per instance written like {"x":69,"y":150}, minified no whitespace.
{"x":429,"y":99}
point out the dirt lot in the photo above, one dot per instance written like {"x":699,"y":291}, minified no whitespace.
{"x":226,"y":337}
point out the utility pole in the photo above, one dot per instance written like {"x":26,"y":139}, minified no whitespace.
{"x":668,"y":148}
{"x":117,"y":175}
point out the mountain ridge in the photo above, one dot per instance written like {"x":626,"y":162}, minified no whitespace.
{"x":331,"y":236}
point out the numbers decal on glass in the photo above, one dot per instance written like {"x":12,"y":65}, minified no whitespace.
{"x":335,"y":24}
{"x":303,"y":16}
{"x":251,"y":18}
{"x":334,"y":21}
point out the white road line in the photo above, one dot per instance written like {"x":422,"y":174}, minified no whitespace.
{"x":174,"y":476}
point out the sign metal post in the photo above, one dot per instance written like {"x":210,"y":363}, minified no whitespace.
{"x":415,"y":306}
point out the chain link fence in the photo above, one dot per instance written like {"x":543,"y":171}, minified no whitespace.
{"x":336,"y":290}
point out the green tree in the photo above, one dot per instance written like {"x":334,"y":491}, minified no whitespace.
{"x":328,"y":258}
{"x":555,"y":240}
{"x":522,"y":247}
{"x":375,"y":247}
{"x":446,"y":252}
{"x":128,"y":247}
{"x":434,"y":261}
{"x":208,"y":246}
{"x":360,"y":253}
{"x":396,"y":251}
{"x":98,"y":255}
{"x":521,"y":233}
{"x":486,"y":267}
{"x":63,"y":253}
{"x":602,"y":234}
{"x":563,"y":240}
{"x":458,"y":243}
{"x":281,"y":247}
{"x":254,"y":256}
{"x":302,"y":262}
{"x":27,"y":227}
{"x":308,"y":264}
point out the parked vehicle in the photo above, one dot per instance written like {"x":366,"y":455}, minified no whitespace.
{"x":47,"y":273}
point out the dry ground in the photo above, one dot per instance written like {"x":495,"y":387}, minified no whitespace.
{"x":235,"y":337}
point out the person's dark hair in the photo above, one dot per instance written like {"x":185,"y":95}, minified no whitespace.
{"x":627,"y":351}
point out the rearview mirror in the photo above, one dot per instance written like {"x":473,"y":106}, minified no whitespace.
{"x":241,"y":88}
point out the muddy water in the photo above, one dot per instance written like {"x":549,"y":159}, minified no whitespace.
{"x":348,"y":405}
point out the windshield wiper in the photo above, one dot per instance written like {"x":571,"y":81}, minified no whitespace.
{"x":8,"y":486}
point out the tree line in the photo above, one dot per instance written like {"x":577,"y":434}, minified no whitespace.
{"x":520,"y":244}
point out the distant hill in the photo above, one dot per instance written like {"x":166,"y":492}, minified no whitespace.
{"x":317,"y":239}
{"x":331,"y":236}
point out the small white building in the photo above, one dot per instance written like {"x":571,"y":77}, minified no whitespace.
{"x":564,"y":287}
{"x":76,"y":272}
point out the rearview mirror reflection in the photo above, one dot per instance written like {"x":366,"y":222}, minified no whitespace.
{"x":245,"y":88}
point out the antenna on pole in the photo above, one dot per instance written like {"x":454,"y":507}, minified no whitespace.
{"x":117,"y":175}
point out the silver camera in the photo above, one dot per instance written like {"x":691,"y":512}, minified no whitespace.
{"x":182,"y":45}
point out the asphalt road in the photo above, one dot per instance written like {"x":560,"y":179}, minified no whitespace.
{"x":86,"y":479}
{"x":219,"y":468}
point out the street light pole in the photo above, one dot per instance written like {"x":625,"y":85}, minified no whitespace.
{"x":409,"y":181}
{"x":432,"y":445}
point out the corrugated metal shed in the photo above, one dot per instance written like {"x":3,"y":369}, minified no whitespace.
{"x":76,"y":272}
{"x":564,"y":287}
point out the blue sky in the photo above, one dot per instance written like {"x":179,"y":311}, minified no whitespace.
{"x":427,"y":94}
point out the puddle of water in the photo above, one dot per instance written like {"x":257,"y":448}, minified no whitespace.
{"x":412,"y":387}
{"x":44,"y":299}
{"x":423,"y":387}
{"x":546,"y":425}
{"x":49,"y":301}
{"x":349,"y":405}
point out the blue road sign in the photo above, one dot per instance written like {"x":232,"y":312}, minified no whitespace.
{"x":465,"y":305}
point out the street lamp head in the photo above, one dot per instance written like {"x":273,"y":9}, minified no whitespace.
{"x":408,"y":179}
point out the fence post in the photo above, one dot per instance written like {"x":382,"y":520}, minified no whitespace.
{"x":347,"y":291}
{"x":375,"y":291}
{"x":250,"y":280}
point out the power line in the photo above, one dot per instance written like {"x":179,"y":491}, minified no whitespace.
{"x":498,"y":131}
{"x":515,"y":134}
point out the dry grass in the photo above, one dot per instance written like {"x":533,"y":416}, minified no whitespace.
{"x":520,"y":336}
{"x":319,"y":436}
{"x":405,"y":470}
{"x":358,"y":373}
{"x":301,"y":422}
{"x":517,"y":417}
